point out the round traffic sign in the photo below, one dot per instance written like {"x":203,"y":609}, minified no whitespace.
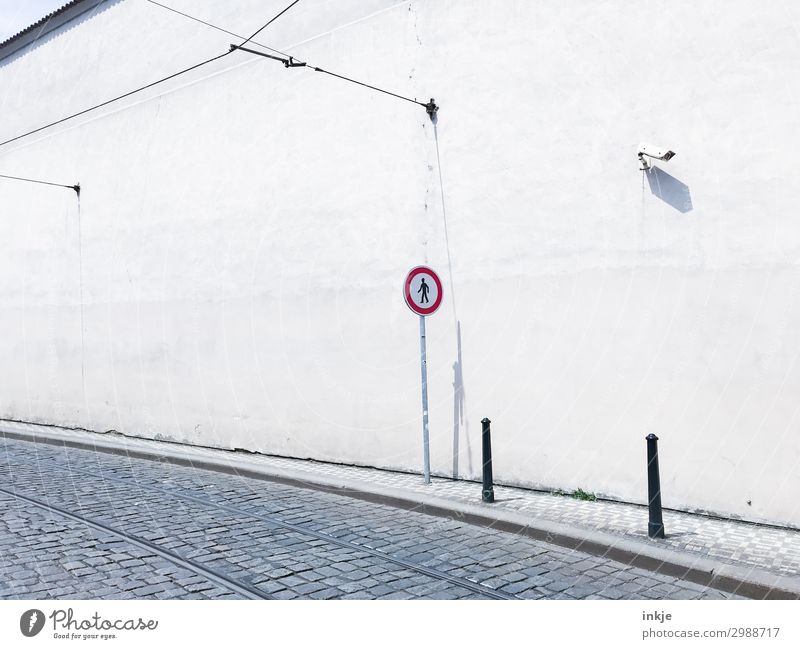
{"x":422,"y":290}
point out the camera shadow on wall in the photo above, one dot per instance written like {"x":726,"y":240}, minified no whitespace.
{"x":669,"y":189}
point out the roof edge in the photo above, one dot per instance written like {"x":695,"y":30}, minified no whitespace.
{"x":45,"y":25}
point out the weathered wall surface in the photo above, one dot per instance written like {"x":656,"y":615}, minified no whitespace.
{"x":233,"y":274}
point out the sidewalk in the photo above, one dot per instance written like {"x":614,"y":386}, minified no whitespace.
{"x":752,"y":560}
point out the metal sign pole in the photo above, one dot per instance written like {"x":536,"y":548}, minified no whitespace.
{"x":425,"y":441}
{"x":422,"y":291}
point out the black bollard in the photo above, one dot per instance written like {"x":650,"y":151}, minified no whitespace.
{"x":655,"y":527}
{"x":488,"y":487}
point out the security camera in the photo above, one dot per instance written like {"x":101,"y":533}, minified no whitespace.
{"x":652,"y":151}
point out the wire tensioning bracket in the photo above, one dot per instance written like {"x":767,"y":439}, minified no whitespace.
{"x":289,"y":63}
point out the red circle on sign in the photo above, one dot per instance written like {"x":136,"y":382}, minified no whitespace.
{"x":416,"y":308}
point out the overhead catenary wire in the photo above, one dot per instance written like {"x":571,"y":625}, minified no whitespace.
{"x":145,"y":87}
{"x":268,"y":23}
{"x":76,"y":187}
{"x":366,"y":85}
{"x":213,"y":26}
{"x":291,"y":62}
{"x":111,"y":101}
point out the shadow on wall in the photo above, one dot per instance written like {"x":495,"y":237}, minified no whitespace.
{"x":459,"y":400}
{"x":669,"y":189}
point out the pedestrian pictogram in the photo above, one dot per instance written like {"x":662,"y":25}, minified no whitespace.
{"x":423,"y":290}
{"x":423,"y":293}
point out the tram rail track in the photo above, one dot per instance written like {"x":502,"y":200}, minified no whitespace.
{"x":434,"y":573}
{"x":215,"y":576}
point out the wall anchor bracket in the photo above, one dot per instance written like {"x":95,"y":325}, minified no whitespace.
{"x":431,"y":108}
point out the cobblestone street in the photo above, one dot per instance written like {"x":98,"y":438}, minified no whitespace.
{"x":79,"y":524}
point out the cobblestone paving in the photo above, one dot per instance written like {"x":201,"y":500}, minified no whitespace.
{"x":42,"y":556}
{"x":45,"y":555}
{"x":757,"y":546}
{"x":746,"y":544}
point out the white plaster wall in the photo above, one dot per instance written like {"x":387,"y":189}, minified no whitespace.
{"x":233,"y":276}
